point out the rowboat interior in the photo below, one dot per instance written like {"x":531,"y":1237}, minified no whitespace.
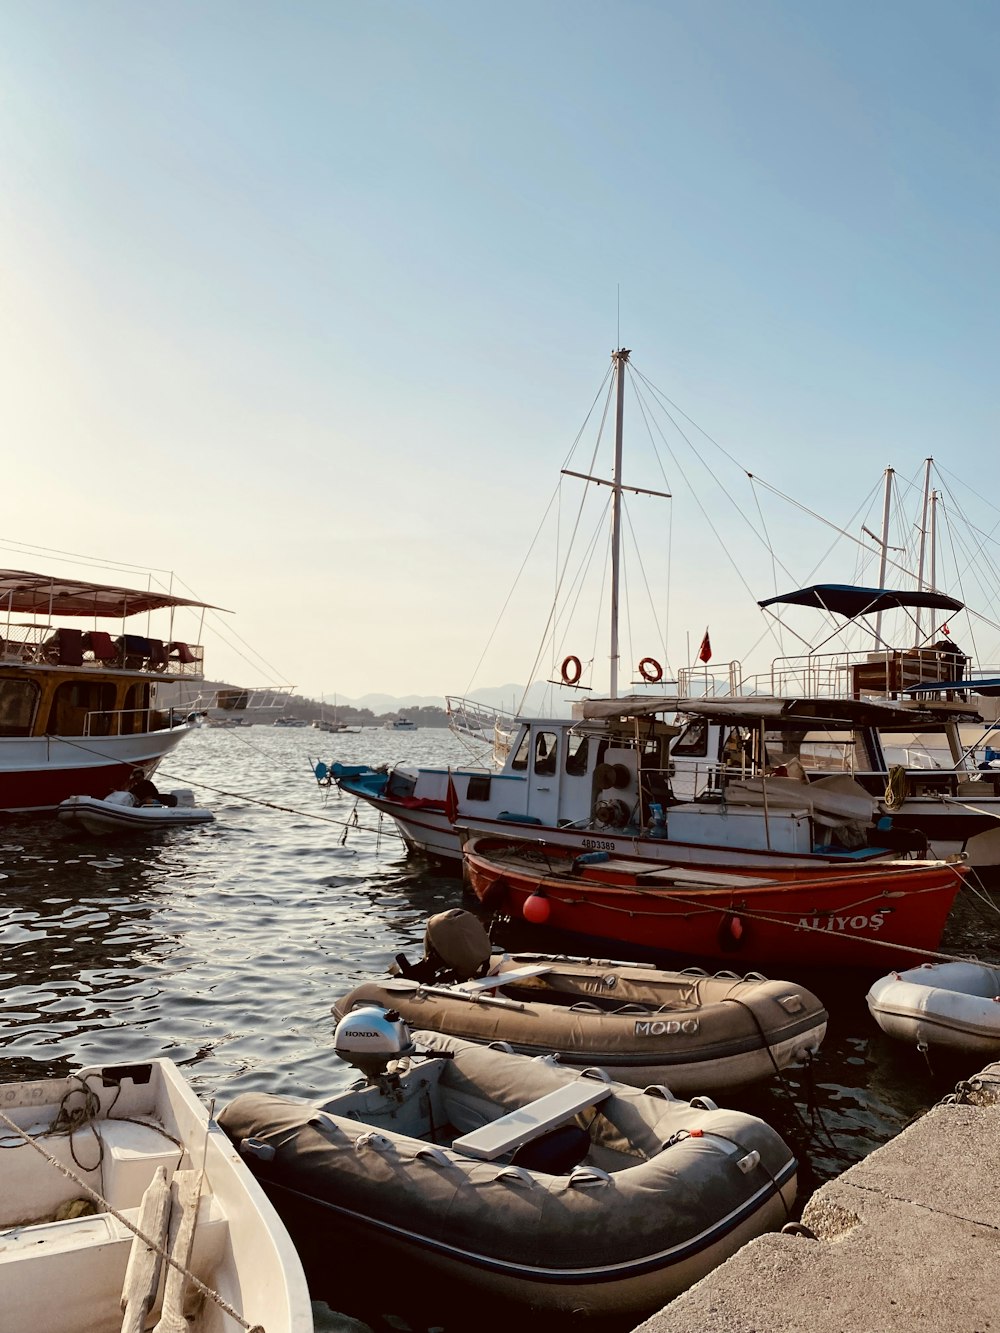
{"x":89,"y":1160}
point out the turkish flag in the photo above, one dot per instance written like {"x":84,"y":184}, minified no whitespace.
{"x":451,"y":801}
{"x":705,"y":651}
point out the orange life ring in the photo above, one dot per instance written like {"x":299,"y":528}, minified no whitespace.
{"x":650,"y":669}
{"x":571,"y":669}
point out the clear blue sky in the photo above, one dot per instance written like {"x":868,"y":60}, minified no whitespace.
{"x":307,"y":302}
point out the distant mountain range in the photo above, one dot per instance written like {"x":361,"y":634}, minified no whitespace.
{"x":541,"y":701}
{"x":506,"y":697}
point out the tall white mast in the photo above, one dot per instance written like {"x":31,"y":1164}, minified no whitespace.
{"x":620,"y":358}
{"x":882,"y":564}
{"x":923,"y":538}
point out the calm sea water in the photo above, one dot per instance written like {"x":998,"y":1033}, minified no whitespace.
{"x":224,"y":946}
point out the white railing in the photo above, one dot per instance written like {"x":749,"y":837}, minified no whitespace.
{"x":132,"y":721}
{"x":493,"y":727}
{"x":710,"y":680}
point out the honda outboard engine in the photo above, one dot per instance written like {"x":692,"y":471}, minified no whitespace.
{"x":371,"y":1038}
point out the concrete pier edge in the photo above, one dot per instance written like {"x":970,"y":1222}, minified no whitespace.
{"x":907,"y":1239}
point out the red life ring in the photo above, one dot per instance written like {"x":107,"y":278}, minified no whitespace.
{"x":571,"y":669}
{"x":650,"y":669}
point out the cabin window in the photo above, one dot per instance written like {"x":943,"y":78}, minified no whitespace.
{"x":74,"y":701}
{"x":693,"y":740}
{"x":545,"y":752}
{"x":520,"y":759}
{"x":576,"y":754}
{"x":18,"y":704}
{"x":479,"y":787}
{"x":832,"y":751}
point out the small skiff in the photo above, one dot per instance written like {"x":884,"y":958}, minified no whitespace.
{"x":838,"y":916}
{"x":504,"y":1183}
{"x":84,"y":1162}
{"x":119,"y":813}
{"x":696,"y":1033}
{"x":946,"y":1005}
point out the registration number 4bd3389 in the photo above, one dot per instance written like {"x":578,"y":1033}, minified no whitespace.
{"x":598,"y":844}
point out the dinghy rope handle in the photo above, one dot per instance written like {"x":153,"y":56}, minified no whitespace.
{"x":571,"y":670}
{"x":650,"y":670}
{"x":106,"y":1207}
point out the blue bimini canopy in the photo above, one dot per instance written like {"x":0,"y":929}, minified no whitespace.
{"x":846,"y":600}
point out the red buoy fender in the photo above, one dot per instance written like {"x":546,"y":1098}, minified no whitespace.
{"x":650,"y":669}
{"x":571,"y":670}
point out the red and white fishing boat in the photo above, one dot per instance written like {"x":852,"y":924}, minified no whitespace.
{"x":846,"y":915}
{"x":78,"y":710}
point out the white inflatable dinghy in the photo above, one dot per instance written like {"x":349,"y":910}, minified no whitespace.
{"x":948,"y":1005}
{"x":119,"y":812}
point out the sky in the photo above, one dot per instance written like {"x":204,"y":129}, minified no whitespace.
{"x":305,"y":305}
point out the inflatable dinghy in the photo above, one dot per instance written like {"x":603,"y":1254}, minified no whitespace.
{"x":947,"y":1005}
{"x":696,"y":1033}
{"x":119,"y":812}
{"x":507,"y":1181}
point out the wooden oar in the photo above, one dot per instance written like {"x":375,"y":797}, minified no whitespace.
{"x":185,"y":1193}
{"x":142,"y":1274}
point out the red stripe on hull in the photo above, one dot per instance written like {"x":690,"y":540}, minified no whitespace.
{"x":43,"y":789}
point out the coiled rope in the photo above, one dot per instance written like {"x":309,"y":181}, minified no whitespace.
{"x":897,"y":787}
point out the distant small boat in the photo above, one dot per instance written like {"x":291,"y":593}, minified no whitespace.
{"x":119,"y":813}
{"x":954,"y":1006}
{"x":290,"y":722}
{"x":86,"y":1159}
{"x":694,"y":1032}
{"x":399,"y":724}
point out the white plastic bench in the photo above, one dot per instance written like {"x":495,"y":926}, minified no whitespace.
{"x":479,"y":984}
{"x":528,"y":1122}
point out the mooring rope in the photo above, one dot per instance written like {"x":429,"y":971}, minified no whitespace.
{"x":238,"y":795}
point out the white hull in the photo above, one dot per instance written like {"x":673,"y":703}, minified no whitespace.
{"x":101,"y":817}
{"x":69,"y":1274}
{"x":430,"y":833}
{"x":946,"y":1005}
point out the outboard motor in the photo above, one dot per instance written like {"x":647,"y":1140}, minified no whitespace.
{"x":456,"y":948}
{"x":371,"y":1038}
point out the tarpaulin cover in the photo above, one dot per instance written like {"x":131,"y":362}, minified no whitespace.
{"x":850,"y":601}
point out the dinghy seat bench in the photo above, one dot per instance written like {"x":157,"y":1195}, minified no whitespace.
{"x":531,"y":1121}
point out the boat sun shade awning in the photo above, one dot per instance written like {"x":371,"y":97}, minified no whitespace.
{"x":846,"y":600}
{"x":44,"y":595}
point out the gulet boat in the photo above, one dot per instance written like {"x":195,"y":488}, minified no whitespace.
{"x":78,"y":707}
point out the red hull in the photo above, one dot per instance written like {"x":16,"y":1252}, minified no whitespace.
{"x":828,"y":919}
{"x":43,"y":790}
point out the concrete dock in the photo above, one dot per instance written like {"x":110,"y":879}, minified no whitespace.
{"x":907,"y":1240}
